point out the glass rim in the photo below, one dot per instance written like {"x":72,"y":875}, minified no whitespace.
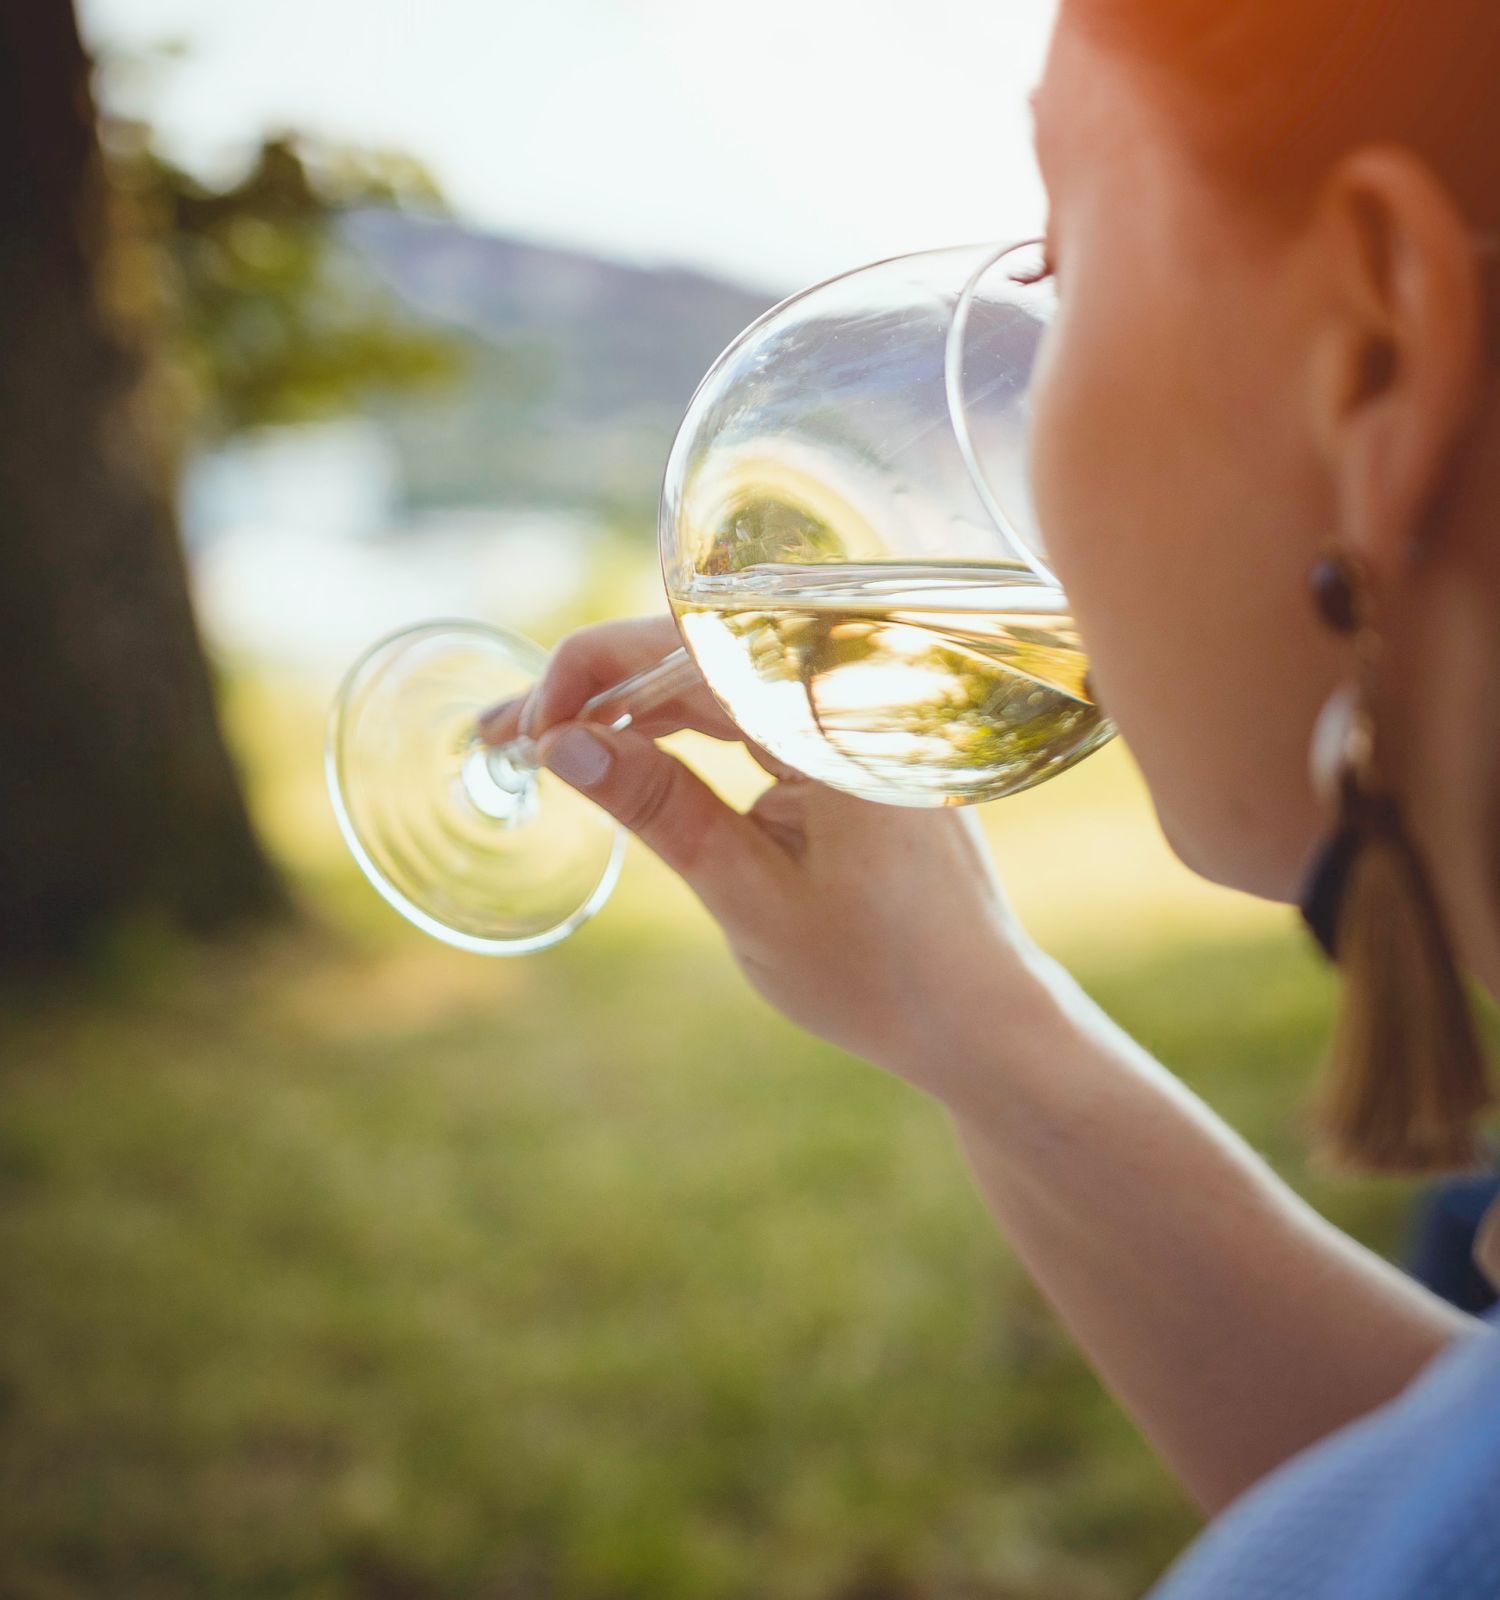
{"x":958,"y":412}
{"x":988,"y":253}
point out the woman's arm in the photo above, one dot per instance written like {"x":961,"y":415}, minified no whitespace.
{"x":1233,"y":1322}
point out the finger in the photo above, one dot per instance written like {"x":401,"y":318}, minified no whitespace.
{"x":502,"y":722}
{"x":596,"y":658}
{"x":592,"y":659}
{"x":696,"y":710}
{"x":665,"y":804}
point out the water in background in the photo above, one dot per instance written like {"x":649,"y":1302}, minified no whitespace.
{"x":302,"y":554}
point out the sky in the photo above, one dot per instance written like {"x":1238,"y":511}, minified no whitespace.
{"x":775,"y":142}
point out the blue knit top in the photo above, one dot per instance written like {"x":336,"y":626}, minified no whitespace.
{"x":1403,"y":1504}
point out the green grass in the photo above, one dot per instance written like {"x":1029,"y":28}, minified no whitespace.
{"x":343,"y":1265}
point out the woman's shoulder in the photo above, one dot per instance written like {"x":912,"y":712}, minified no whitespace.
{"x":1400,"y":1505}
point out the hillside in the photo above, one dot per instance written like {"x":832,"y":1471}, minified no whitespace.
{"x":578,"y":368}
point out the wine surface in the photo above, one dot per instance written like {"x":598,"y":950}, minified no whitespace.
{"x":917,"y":684}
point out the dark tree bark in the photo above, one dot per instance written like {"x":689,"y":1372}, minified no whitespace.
{"x":117,"y":795}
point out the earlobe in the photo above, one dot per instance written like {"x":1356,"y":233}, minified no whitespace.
{"x":1376,"y":521}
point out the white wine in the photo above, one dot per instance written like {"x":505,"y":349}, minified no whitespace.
{"x":927,"y":684}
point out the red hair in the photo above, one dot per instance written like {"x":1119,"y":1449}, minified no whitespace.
{"x":1273,"y":92}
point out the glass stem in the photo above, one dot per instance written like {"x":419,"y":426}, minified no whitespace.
{"x":615,"y":707}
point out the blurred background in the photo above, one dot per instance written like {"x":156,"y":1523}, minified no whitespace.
{"x":338,"y":1263}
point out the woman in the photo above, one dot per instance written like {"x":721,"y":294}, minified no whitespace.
{"x":1267,"y":459}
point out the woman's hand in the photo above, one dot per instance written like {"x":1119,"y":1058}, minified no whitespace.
{"x":879,"y":928}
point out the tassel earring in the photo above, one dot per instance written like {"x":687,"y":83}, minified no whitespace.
{"x":1406,"y":1077}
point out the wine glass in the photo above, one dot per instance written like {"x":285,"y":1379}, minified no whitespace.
{"x":849,"y":548}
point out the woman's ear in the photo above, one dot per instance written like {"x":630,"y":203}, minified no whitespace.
{"x":1399,"y":353}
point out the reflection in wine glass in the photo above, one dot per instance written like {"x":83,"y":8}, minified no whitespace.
{"x":848,"y":545}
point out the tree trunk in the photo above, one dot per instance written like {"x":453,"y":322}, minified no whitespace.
{"x":117,"y":795}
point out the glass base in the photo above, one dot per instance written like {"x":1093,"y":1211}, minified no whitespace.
{"x":481,"y":852}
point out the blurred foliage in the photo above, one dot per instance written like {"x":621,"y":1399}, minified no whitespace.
{"x":362,"y":1269}
{"x":256,"y":312}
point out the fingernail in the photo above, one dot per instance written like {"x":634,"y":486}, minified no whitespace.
{"x":577,"y":757}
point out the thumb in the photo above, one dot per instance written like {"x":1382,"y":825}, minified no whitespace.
{"x":664,"y":803}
